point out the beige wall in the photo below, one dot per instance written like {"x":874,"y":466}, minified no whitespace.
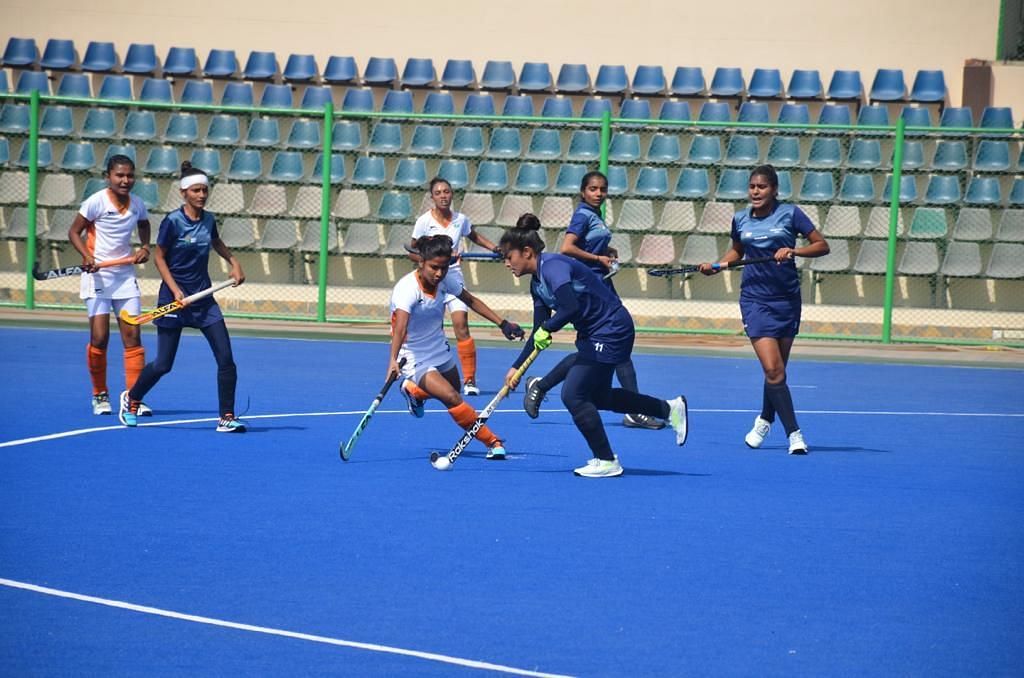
{"x":866,"y":35}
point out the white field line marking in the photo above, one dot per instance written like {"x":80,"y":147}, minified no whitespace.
{"x":711,"y":410}
{"x":372,"y":647}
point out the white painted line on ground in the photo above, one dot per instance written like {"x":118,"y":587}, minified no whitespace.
{"x":372,"y":647}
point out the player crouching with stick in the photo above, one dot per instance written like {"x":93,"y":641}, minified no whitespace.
{"x":417,"y":334}
{"x":566,"y":290}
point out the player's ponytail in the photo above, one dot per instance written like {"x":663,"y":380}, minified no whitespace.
{"x":525,"y":234}
{"x":190,"y":176}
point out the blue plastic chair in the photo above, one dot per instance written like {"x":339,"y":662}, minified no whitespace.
{"x":992,"y":155}
{"x":439,"y":103}
{"x":743,"y":150}
{"x":835,"y":114}
{"x":693,"y":183}
{"x":223,"y":130}
{"x":427,"y":140}
{"x":458,"y":74}
{"x":785,"y":185}
{"x":78,"y":156}
{"x":611,"y":79}
{"x":594,"y":108}
{"x":873,"y":115}
{"x":556,"y":107}
{"x":491,"y":176}
{"x":44,"y":158}
{"x":996,"y":117}
{"x":156,"y":90}
{"x":817,"y":187}
{"x":479,"y":104}
{"x":888,"y":85}
{"x":237,"y":94}
{"x":5,"y":151}
{"x":180,"y":61}
{"x":498,"y":75}
{"x":635,"y":109}
{"x":983,"y":191}
{"x":650,"y":182}
{"x":140,"y":59}
{"x":29,"y":81}
{"x":59,"y":55}
{"x":468,"y":142}
{"x":865,"y":154}
{"x":246,"y":165}
{"x":161,"y":161}
{"x":504,"y":143}
{"x":341,"y":70}
{"x":118,"y":87}
{"x":929,"y":87}
{"x":99,"y":124}
{"x":304,"y":134}
{"x":394,"y":206}
{"x":149,"y":192}
{"x":584,"y":146}
{"x":1016,"y":198}
{"x":715,"y":111}
{"x":727,"y":82}
{"x":139,"y":125}
{"x":346,"y":136}
{"x":648,"y":81}
{"x":765,"y":83}
{"x":942,"y":189}
{"x":567,"y":181}
{"x":197,"y":92}
{"x":315,"y":98}
{"x":260,"y":66}
{"x":182,"y":128}
{"x":263,"y":132}
{"x":618,"y":180}
{"x":805,"y":84}
{"x":208,"y":160}
{"x":397,"y":101}
{"x":664,"y":149}
{"x":705,"y":150}
{"x":410,"y":173}
{"x":916,"y":117}
{"x":386,"y":137}
{"x":126,"y":150}
{"x":783,"y":152}
{"x":908,"y":189}
{"x":846,"y":84}
{"x":276,"y":96}
{"x":531,"y":177}
{"x":21,"y":52}
{"x":732,"y":185}
{"x":794,"y":114}
{"x":419,"y":72}
{"x":74,"y":85}
{"x":545,"y":144}
{"x":535,"y":76}
{"x":674,"y":111}
{"x":221,"y":63}
{"x":286,"y":167}
{"x":380,"y":72}
{"x":753,"y":111}
{"x":357,"y":101}
{"x":99,"y":57}
{"x":687,"y":81}
{"x":624,"y":147}
{"x":956,"y":116}
{"x":572,"y":79}
{"x":913,"y":155}
{"x":455,"y":172}
{"x":300,"y":68}
{"x":369,"y":171}
{"x":57,"y":121}
{"x":950,"y":155}
{"x":338,"y":171}
{"x":518,"y":104}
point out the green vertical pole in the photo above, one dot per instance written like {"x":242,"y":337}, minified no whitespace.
{"x":999,"y":30}
{"x":325,"y":212}
{"x":33,"y":184}
{"x":894,"y":220}
{"x":606,"y":140}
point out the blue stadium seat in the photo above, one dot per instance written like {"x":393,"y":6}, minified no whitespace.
{"x":304,"y":134}
{"x":732,"y":184}
{"x":455,"y":172}
{"x":300,"y":68}
{"x":584,"y":146}
{"x":44,"y":158}
{"x":21,"y":52}
{"x":872,"y":116}
{"x":983,"y":191}
{"x":337,"y":169}
{"x":498,"y":75}
{"x":386,"y":137}
{"x":260,"y":65}
{"x":357,"y":100}
{"x":180,"y":61}
{"x":705,"y":149}
{"x":504,"y":143}
{"x":556,"y":107}
{"x":650,"y":182}
{"x":687,"y":81}
{"x":595,"y":108}
{"x":208,"y":160}
{"x":119,"y":149}
{"x":315,"y":98}
{"x":785,"y":185}
{"x":572,"y":79}
{"x":419,"y":72}
{"x":397,"y":101}
{"x":276,"y":96}
{"x":427,"y":140}
{"x":956,"y":116}
{"x":182,"y":128}
{"x":78,"y":157}
{"x":74,"y":85}
{"x":545,"y":144}
{"x":618,"y":180}
{"x":395,"y":206}
{"x":783,"y":152}
{"x":916,"y":117}
{"x":479,"y":104}
{"x":846,"y":84}
{"x":942,"y":189}
{"x":93,"y":185}
{"x":674,"y":111}
{"x":197,"y":92}
{"x":139,"y":125}
{"x":156,"y":90}
{"x":34,"y":80}
{"x":237,"y":94}
{"x":5,"y":151}
{"x":380,"y":72}
{"x":369,"y":171}
{"x":567,"y":181}
{"x":743,"y":150}
{"x":341,"y":70}
{"x":149,"y":191}
{"x":865,"y":154}
{"x":346,"y":136}
{"x":992,"y":155}
{"x":693,"y":183}
{"x":223,"y":130}
{"x":817,"y":187}
{"x":805,"y":84}
{"x":410,"y":173}
{"x":535,"y":76}
{"x":439,"y":103}
{"x":221,"y":63}
{"x":99,"y":57}
{"x":531,"y":177}
{"x":518,"y":105}
{"x":794,"y":114}
{"x":835,"y":114}
{"x":929,"y":87}
{"x":162,"y":161}
{"x":57,"y":121}
{"x":715,"y":111}
{"x":467,"y":142}
{"x":611,"y":79}
{"x":491,"y":176}
{"x":58,"y":55}
{"x":635,"y":109}
{"x":913,"y":155}
{"x":140,"y":59}
{"x":753,"y":111}
{"x":908,"y":189}
{"x":728,"y":82}
{"x":888,"y":85}
{"x":624,"y":147}
{"x":1016,"y":198}
{"x":996,"y":117}
{"x":263,"y":132}
{"x":118,"y":87}
{"x":99,"y":124}
{"x":950,"y":155}
{"x":458,"y":74}
{"x":648,"y":81}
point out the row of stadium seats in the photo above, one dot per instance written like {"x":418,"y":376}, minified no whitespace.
{"x":648,"y":80}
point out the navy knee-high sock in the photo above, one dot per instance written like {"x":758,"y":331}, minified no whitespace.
{"x":627,"y":376}
{"x":767,"y":409}
{"x":782,"y":400}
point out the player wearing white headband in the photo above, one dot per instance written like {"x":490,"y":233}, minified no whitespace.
{"x":182,"y":256}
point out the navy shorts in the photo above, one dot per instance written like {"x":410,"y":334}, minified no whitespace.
{"x":778,"y":318}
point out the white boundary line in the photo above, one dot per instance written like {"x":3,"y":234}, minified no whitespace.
{"x":372,"y":647}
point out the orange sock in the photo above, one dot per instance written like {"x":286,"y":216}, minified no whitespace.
{"x":465,"y":416}
{"x":134,"y":361}
{"x":96,"y":358}
{"x":467,"y":356}
{"x":415,"y":391}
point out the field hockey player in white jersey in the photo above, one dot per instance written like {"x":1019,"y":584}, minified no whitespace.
{"x":102,"y":231}
{"x":443,"y":220}
{"x":417,"y":334}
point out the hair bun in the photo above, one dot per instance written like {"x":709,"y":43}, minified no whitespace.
{"x":185,"y":166}
{"x":528,"y":222}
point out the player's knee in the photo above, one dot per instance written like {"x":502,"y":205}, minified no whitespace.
{"x":775,"y":374}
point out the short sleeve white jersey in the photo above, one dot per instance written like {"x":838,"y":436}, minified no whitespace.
{"x":425,"y":341}
{"x":109,"y":236}
{"x":458,"y":228}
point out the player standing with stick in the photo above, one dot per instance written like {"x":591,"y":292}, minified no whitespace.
{"x":182,"y":257}
{"x":770,"y":294}
{"x":101,"y":232}
{"x":564,"y":290}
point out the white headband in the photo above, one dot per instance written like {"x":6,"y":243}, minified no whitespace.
{"x":193,"y":179}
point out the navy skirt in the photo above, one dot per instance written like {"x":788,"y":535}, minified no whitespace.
{"x":778,"y":318}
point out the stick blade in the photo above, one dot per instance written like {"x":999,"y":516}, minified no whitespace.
{"x":131,"y":319}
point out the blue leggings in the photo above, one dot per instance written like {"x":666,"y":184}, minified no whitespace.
{"x":167,"y":348}
{"x":588,"y":388}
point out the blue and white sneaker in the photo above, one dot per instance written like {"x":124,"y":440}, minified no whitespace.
{"x":497,"y":452}
{"x":124,"y":412}
{"x":228,"y":424}
{"x":677,"y":418}
{"x":101,"y":403}
{"x":599,"y":468}
{"x":415,"y":404}
{"x":144,"y":410}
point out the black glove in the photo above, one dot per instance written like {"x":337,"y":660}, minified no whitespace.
{"x":496,"y":249}
{"x":511,"y":330}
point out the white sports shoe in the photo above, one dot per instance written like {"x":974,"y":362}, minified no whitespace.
{"x":470,"y":388}
{"x":677,"y":417}
{"x":599,"y":468}
{"x":796,"y":443}
{"x":101,"y":403}
{"x":144,"y":410}
{"x":757,"y":434}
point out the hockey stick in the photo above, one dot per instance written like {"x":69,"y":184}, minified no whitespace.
{"x":171,"y":307}
{"x":663,"y":272}
{"x":345,"y":449}
{"x":444,"y":462}
{"x":75,"y":270}
{"x":464,"y":255}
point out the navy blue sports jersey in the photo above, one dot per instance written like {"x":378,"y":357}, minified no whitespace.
{"x":187,"y":245}
{"x":592,"y":234}
{"x":762,"y":237}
